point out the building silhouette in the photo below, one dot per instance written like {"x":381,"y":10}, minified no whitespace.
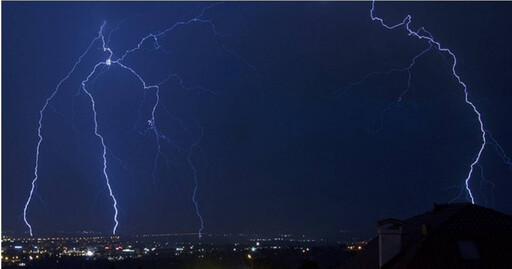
{"x":450,"y":236}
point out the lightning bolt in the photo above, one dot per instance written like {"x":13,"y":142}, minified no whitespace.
{"x":194,"y":193}
{"x":102,"y":140}
{"x":40,"y":127}
{"x":500,"y":151}
{"x":398,"y":101}
{"x":424,"y":35}
{"x":484,"y":181}
{"x":152,"y":121}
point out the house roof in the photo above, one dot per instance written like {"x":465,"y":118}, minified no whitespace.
{"x":445,"y":225}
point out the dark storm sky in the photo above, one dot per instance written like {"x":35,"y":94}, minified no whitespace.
{"x":282,"y":152}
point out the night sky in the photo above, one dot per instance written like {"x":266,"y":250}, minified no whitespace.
{"x":286,"y":145}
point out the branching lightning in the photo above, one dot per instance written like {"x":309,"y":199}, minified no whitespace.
{"x":499,"y":150}
{"x":105,"y":65}
{"x":152,"y":122}
{"x":40,"y":127}
{"x":423,"y":34}
{"x":104,"y":154}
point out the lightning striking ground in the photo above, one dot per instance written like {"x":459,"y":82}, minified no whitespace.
{"x":152,"y":121}
{"x":155,"y":88}
{"x":194,"y":193}
{"x":40,"y":127}
{"x":423,"y":34}
{"x":102,"y":140}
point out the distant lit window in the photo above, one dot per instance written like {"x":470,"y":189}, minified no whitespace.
{"x":468,"y":250}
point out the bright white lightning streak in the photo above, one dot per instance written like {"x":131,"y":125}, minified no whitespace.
{"x":406,"y":22}
{"x":158,"y":136}
{"x":152,"y":122}
{"x":40,"y":126}
{"x":102,"y":140}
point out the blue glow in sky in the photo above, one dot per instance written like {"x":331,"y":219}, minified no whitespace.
{"x":251,"y":117}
